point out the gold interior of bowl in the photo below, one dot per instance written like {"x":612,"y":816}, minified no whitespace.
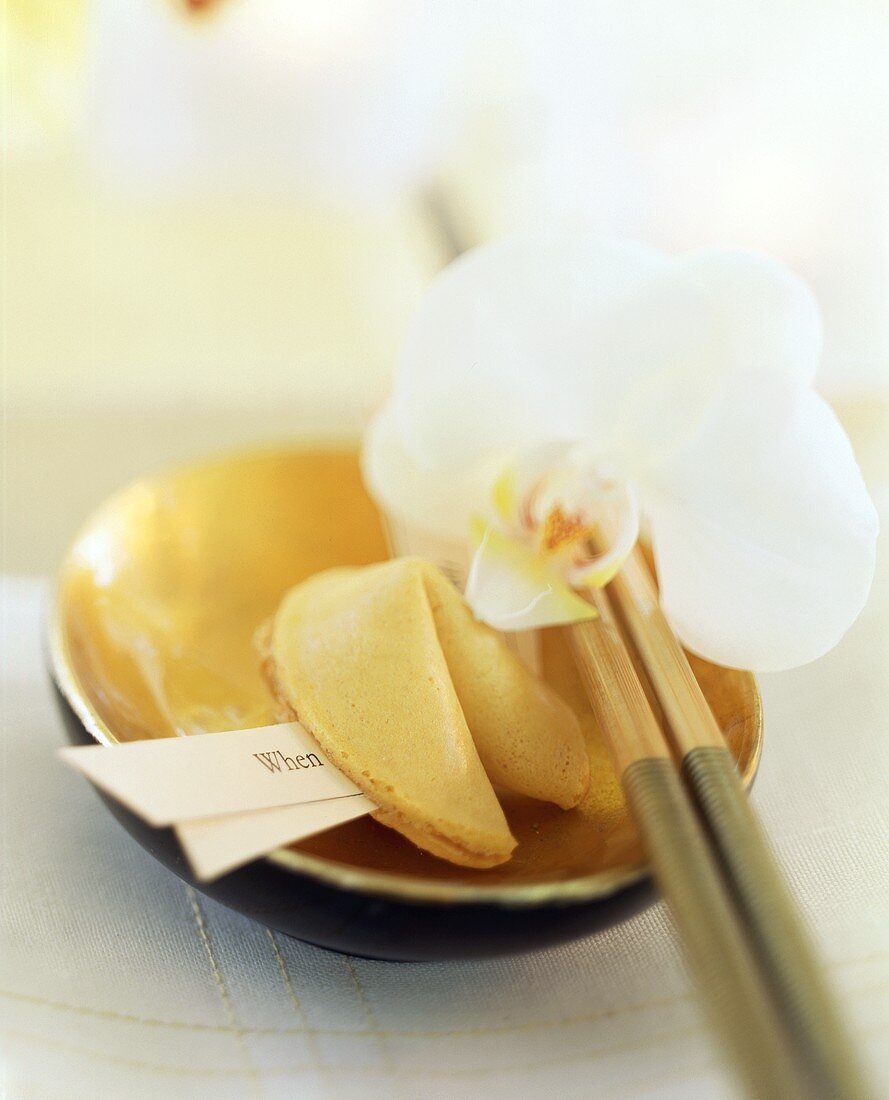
{"x":152,"y":636}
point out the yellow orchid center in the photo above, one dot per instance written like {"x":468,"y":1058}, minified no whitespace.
{"x":562,"y":526}
{"x":561,"y":531}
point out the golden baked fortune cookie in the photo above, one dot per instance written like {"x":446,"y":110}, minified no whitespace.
{"x":423,"y":707}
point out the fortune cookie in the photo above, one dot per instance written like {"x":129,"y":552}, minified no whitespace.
{"x":423,"y":707}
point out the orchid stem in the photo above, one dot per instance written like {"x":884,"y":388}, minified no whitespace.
{"x":446,"y":220}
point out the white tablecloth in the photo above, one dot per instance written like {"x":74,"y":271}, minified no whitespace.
{"x":117,"y":980}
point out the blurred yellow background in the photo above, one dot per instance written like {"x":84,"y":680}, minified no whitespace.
{"x":217,"y":223}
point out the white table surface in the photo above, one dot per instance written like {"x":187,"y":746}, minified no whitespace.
{"x":117,"y":980}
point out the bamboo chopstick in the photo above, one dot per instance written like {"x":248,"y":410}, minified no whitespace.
{"x":777,"y":934}
{"x":683,"y":864}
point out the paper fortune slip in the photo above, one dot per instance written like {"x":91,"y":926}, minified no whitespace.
{"x":230,"y":796}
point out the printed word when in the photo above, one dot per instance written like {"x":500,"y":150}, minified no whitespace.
{"x":276,"y":761}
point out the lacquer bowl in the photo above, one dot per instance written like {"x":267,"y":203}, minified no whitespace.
{"x":151,"y":635}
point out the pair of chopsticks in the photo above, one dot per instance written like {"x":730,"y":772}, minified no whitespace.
{"x":758,"y":975}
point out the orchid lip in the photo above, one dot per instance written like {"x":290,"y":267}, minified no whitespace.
{"x":570,"y":536}
{"x":546,"y":543}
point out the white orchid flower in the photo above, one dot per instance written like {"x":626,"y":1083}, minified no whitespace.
{"x":564,"y":387}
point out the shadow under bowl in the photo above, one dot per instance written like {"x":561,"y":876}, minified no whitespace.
{"x":151,"y":635}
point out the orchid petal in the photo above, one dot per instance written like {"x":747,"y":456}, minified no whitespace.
{"x":760,"y":327}
{"x":770,"y":341}
{"x":511,"y":588}
{"x":765,"y":553}
{"x":767,"y":316}
{"x":437,"y":505}
{"x":553,"y":338}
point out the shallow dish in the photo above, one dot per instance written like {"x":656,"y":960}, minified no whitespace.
{"x":151,"y":635}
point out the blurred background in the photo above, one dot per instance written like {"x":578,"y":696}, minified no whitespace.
{"x":219,"y":214}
